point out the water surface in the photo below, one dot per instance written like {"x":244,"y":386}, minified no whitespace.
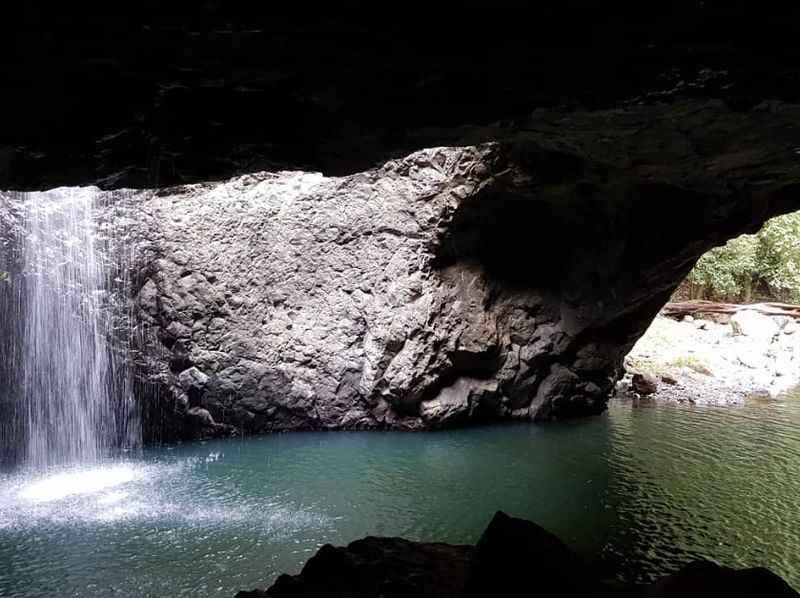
{"x":645,"y":487}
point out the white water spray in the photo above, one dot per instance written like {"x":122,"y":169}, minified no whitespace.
{"x":74,"y":401}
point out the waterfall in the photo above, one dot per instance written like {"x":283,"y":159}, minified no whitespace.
{"x":75,"y":402}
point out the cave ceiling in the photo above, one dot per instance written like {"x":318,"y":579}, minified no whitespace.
{"x":150,"y":101}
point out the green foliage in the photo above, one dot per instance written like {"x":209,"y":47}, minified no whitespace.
{"x":3,"y":276}
{"x":765,"y":264}
{"x":778,"y":254}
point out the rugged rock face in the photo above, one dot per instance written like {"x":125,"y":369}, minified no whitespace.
{"x":296,"y":301}
{"x":513,"y":557}
{"x":498,"y":280}
{"x":501,"y":280}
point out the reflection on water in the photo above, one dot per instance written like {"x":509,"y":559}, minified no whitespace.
{"x":718,"y":483}
{"x":645,"y":487}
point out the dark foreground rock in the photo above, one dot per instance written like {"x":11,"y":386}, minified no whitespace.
{"x":379,"y":567}
{"x":513,"y":558}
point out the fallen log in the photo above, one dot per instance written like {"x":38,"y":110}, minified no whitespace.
{"x":691,"y":308}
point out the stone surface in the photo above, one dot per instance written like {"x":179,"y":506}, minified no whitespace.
{"x":644,"y":384}
{"x":495,"y":280}
{"x":513,"y":558}
{"x":712,"y":365}
{"x":753,"y":324}
{"x":501,"y":280}
{"x":314,"y":302}
{"x":512,"y":552}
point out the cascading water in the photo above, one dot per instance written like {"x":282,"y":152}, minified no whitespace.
{"x":75,"y":402}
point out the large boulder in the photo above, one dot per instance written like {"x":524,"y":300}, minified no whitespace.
{"x":757,"y":326}
{"x":486,"y":281}
{"x":384,"y":299}
{"x":644,"y":383}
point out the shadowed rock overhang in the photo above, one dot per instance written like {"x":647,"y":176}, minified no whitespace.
{"x":570,"y":183}
{"x":147,"y":99}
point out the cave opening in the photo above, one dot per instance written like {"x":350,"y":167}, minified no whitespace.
{"x":729,"y":326}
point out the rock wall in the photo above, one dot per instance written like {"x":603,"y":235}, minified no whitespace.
{"x":291,"y":300}
{"x":497,"y":280}
{"x":494,"y":280}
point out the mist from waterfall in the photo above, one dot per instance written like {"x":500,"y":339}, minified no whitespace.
{"x":74,"y":402}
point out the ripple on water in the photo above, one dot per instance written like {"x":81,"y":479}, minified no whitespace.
{"x":647,"y":487}
{"x":718,"y":483}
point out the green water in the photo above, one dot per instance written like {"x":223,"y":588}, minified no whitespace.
{"x":645,"y":487}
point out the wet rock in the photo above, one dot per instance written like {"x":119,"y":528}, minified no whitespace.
{"x":201,"y":417}
{"x":644,"y":384}
{"x":193,"y":382}
{"x":199,"y":423}
{"x":759,"y":395}
{"x":453,"y":404}
{"x":148,"y":298}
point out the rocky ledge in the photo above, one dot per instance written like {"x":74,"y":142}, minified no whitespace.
{"x":513,"y":558}
{"x":715,"y":359}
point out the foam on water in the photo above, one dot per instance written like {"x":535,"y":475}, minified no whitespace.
{"x":91,"y":481}
{"x":135,"y":493}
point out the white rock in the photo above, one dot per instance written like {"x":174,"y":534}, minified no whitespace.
{"x":751,"y":323}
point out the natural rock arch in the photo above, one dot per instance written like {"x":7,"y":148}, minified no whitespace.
{"x":505,"y":280}
{"x":504,"y":274}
